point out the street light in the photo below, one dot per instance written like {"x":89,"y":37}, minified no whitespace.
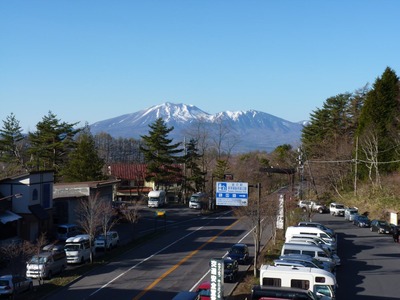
{"x":19,"y":195}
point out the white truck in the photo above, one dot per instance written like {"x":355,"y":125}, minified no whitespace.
{"x":156,"y":198}
{"x":78,"y":249}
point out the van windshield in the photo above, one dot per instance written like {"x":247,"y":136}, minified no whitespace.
{"x":38,"y":260}
{"x":72,"y":247}
{"x":194,"y":199}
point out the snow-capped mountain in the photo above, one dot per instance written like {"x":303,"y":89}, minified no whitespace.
{"x":250,"y":130}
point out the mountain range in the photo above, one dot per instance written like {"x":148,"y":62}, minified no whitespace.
{"x":244,"y":131}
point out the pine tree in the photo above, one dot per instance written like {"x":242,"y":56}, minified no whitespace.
{"x":161,"y":155}
{"x":195,"y":179}
{"x":380,"y":115}
{"x":12,"y":146}
{"x":84,"y":163}
{"x":51,"y":143}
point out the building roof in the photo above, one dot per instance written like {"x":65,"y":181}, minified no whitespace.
{"x":128,"y":171}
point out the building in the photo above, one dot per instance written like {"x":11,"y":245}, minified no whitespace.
{"x":26,"y":206}
{"x":67,"y":197}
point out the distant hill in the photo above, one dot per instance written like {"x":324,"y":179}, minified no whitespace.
{"x":251,"y":130}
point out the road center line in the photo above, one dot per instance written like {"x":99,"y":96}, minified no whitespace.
{"x":173,"y":268}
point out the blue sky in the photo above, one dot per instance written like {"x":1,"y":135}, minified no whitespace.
{"x":88,"y":61}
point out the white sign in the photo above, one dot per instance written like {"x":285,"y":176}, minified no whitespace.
{"x":232,"y":193}
{"x":281,"y":213}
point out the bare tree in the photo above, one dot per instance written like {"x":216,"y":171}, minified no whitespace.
{"x":370,"y":147}
{"x":131,"y":215}
{"x":90,"y":216}
{"x":108,"y":218}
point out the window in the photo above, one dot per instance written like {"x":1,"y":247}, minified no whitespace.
{"x":310,"y":253}
{"x":290,"y":251}
{"x":271,"y":281}
{"x":300,"y":284}
{"x":320,"y":279}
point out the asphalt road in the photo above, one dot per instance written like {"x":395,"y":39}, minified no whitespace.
{"x":370,"y":262}
{"x":175,"y":261}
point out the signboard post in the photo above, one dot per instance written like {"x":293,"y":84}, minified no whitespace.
{"x":217,"y":279}
{"x":232,"y":193}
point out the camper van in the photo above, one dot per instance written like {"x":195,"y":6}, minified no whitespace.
{"x":311,"y":250}
{"x":321,"y":282}
{"x":156,"y":198}
{"x":77,"y":249}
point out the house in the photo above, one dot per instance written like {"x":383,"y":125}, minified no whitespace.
{"x":26,"y":205}
{"x":133,"y":184}
{"x":67,"y":197}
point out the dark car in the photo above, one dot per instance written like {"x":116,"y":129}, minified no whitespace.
{"x":239,"y":252}
{"x":380,"y":226}
{"x":362,"y":221}
{"x":231,"y":269}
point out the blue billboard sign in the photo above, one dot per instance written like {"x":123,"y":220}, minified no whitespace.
{"x":232,"y":193}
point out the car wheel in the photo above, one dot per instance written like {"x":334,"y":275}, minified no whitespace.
{"x":320,"y":210}
{"x":50,"y":275}
{"x":371,"y":229}
{"x":30,"y":287}
{"x":82,"y":260}
{"x":62,"y":269}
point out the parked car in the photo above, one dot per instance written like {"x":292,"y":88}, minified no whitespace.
{"x":310,"y":205}
{"x":239,"y":252}
{"x":362,"y":221}
{"x":10,"y":285}
{"x":274,"y":292}
{"x":336,"y":209}
{"x":349,"y":213}
{"x":317,"y":225}
{"x":109,"y":241}
{"x":47,"y":263}
{"x":380,"y":226}
{"x":186,"y":295}
{"x":231,"y":269}
{"x":204,"y":290}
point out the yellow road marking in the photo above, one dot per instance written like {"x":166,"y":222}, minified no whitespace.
{"x":173,"y":268}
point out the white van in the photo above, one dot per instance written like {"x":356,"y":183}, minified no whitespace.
{"x":198,"y":201}
{"x":301,"y":230}
{"x":321,"y":282}
{"x":47,"y":263}
{"x":156,"y":198}
{"x":311,"y":250}
{"x":315,"y":240}
{"x":77,"y":249}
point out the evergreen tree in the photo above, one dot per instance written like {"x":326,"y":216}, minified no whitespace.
{"x":51,"y":144}
{"x":329,"y":127}
{"x":195,"y":179}
{"x":221,"y":169}
{"x":380,"y":113}
{"x":84,"y":162}
{"x":161,"y":155}
{"x":12,"y":146}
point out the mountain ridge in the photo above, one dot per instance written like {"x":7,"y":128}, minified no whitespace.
{"x":248,"y":126}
